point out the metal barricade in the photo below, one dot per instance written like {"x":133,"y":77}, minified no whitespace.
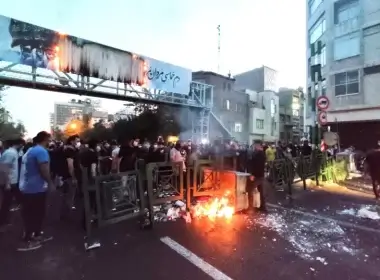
{"x":309,"y":167}
{"x":164,"y":182}
{"x":109,"y":199}
{"x":280,"y":171}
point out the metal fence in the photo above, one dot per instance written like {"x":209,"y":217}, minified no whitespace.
{"x":109,"y":199}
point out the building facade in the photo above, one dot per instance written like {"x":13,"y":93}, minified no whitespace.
{"x":259,"y":79}
{"x":263,"y":116}
{"x":347,"y":56}
{"x":229,"y":116}
{"x":291,"y":103}
{"x":244,"y":115}
{"x":66,"y":111}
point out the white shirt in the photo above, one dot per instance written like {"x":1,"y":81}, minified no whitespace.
{"x":22,"y":171}
{"x":115,"y":152}
{"x":10,"y":157}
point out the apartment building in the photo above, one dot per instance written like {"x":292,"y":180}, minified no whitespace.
{"x":291,"y":107}
{"x":229,"y":116}
{"x":66,"y":111}
{"x":263,"y":116}
{"x":344,"y":50}
{"x":259,"y":79}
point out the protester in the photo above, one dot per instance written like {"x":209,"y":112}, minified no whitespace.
{"x":36,"y":182}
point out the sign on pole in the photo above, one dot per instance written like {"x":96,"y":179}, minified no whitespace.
{"x":323,"y":103}
{"x":322,"y":118}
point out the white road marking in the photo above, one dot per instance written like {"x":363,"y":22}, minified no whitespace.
{"x":339,"y":222}
{"x":207,"y":268}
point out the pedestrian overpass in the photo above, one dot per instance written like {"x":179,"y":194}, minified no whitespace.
{"x":36,"y":57}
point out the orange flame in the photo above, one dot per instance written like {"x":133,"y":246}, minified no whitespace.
{"x":215,"y":208}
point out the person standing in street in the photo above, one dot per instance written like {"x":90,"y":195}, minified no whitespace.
{"x":10,"y":189}
{"x":256,"y":167}
{"x":35,"y":183}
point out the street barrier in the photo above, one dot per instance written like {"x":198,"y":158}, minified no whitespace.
{"x":112,"y":198}
{"x":281,"y":173}
{"x":165,"y":182}
{"x":201,"y":179}
{"x":309,"y":167}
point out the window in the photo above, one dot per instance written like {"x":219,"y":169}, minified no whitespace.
{"x":239,"y":108}
{"x":259,"y":124}
{"x":226,"y":104}
{"x":238,"y":127}
{"x":313,"y":5}
{"x":324,"y":87}
{"x":323,"y":56}
{"x":317,"y":30}
{"x":347,"y":46}
{"x":347,"y":83}
{"x":273,"y":108}
{"x":346,"y":10}
{"x":296,"y":113}
{"x":229,"y":86}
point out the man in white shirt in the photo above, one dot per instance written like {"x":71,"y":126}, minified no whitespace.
{"x":115,"y":158}
{"x":11,"y":189}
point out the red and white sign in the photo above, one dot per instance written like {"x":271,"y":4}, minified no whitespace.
{"x":322,"y":118}
{"x":323,"y":103}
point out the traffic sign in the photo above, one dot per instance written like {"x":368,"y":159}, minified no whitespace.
{"x":322,"y":118}
{"x":323,"y":103}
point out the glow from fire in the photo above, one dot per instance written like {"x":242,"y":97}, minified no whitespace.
{"x":214,"y":208}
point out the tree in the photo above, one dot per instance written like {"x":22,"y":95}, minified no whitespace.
{"x":58,"y":134}
{"x":148,"y":122}
{"x":8,"y":129}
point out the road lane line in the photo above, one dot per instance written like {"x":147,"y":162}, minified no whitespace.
{"x":340,"y":222}
{"x":207,"y":268}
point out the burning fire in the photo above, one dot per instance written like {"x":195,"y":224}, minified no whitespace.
{"x":214,"y":208}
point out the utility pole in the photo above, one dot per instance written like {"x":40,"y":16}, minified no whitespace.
{"x":316,"y":79}
{"x":218,"y":28}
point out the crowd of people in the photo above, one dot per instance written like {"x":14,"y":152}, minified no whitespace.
{"x":30,"y":169}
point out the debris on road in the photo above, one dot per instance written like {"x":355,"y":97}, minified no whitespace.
{"x":308,"y":237}
{"x":170,"y":211}
{"x":365,"y":211}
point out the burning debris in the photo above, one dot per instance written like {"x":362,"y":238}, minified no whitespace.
{"x":202,"y":207}
{"x":213,"y":207}
{"x":171,"y":211}
{"x":308,"y":237}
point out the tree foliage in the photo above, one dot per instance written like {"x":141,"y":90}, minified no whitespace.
{"x":148,"y":122}
{"x":8,"y":129}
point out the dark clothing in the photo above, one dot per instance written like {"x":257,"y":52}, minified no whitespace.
{"x":256,"y":164}
{"x":306,"y":150}
{"x":157,"y":155}
{"x":64,"y":153}
{"x":33,"y":213}
{"x":373,"y":167}
{"x":8,"y":196}
{"x":128,"y":157}
{"x":88,"y":158}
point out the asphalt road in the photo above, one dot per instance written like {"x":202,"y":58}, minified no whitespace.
{"x":284,"y":244}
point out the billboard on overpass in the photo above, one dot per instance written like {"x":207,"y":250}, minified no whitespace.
{"x":28,"y":44}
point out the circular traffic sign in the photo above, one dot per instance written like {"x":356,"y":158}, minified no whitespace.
{"x":322,"y":118}
{"x":323,"y":103}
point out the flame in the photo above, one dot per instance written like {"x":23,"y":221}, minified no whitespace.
{"x":215,"y":208}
